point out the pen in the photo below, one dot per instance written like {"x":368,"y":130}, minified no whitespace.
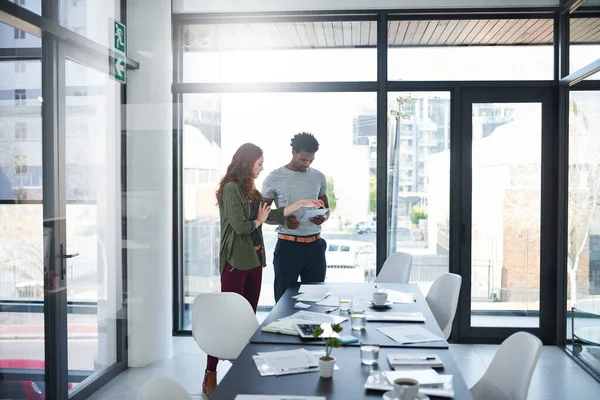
{"x":331,"y":309}
{"x":298,"y":368}
{"x":413,"y":358}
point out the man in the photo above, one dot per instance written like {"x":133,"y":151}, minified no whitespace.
{"x":300,"y":250}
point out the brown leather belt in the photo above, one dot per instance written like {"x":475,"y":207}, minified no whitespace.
{"x":299,"y":239}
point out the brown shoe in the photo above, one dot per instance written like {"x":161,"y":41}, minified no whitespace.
{"x":210,"y":382}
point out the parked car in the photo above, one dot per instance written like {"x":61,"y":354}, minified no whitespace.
{"x":365,"y":227}
{"x":350,"y":261}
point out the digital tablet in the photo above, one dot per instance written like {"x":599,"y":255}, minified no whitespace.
{"x":314,"y":213}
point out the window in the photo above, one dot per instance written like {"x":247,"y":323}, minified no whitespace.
{"x":466,"y":50}
{"x":418,"y":220}
{"x":215,"y":125}
{"x":280,"y":52}
{"x":20,"y":130}
{"x":20,"y":67}
{"x":19,"y":34}
{"x":20,"y":97}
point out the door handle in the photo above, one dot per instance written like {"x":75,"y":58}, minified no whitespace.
{"x":63,"y":264}
{"x":69,"y":255}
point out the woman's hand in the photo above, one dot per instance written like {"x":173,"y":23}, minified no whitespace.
{"x":263,"y":212}
{"x":312,"y":203}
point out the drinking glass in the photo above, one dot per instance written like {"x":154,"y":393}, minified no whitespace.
{"x":345,"y":303}
{"x":358,"y":319}
{"x":369,"y":353}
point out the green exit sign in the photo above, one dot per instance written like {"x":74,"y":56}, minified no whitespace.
{"x":119,"y":37}
{"x":119,"y":46}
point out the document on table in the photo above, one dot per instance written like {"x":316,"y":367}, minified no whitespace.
{"x":290,"y":361}
{"x":399,"y":297}
{"x":396,"y":316}
{"x":265,"y":370}
{"x":412,"y":359}
{"x":330,"y":301}
{"x":309,"y":316}
{"x":276,"y":397}
{"x":379,"y":380}
{"x":312,"y":293}
{"x":405,"y":334}
{"x":301,"y":305}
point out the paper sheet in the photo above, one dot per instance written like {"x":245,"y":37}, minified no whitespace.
{"x":409,"y":334}
{"x":399,"y":297}
{"x":301,"y":305}
{"x":276,"y":397}
{"x":312,"y":293}
{"x":309,"y":316}
{"x":289,"y":361}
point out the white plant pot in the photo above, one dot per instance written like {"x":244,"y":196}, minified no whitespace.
{"x":326,"y":368}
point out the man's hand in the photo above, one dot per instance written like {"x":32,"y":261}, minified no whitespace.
{"x":292,"y":222}
{"x":318,"y":220}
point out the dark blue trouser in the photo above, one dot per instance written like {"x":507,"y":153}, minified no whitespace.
{"x":292,"y":260}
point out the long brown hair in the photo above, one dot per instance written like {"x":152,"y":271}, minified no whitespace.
{"x":240,"y":170}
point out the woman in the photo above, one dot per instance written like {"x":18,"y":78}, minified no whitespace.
{"x":242,"y":252}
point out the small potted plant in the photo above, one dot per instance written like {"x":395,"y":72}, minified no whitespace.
{"x":326,"y":362}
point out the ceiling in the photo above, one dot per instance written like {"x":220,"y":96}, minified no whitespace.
{"x":468,"y":32}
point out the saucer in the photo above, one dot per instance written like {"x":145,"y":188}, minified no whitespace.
{"x":387,"y":304}
{"x":391,"y":396}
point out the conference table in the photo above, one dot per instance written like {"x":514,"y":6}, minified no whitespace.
{"x":364,"y":292}
{"x":348,"y":381}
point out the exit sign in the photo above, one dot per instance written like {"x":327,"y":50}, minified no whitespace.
{"x":119,"y":46}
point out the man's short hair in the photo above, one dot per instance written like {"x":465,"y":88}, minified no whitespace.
{"x":305,"y":141}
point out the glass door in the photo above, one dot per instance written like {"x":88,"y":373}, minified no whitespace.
{"x":507,"y":214}
{"x":92,"y":194}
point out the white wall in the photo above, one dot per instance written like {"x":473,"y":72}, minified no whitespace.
{"x":296,"y":5}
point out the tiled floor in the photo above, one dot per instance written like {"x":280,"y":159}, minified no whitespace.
{"x":556,"y":377}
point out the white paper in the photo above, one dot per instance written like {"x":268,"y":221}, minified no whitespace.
{"x":291,"y":361}
{"x":265,"y":370}
{"x":312,"y":293}
{"x":330,"y":301}
{"x":276,"y":397}
{"x":404,"y":359}
{"x":399,"y":297}
{"x":377,"y":380}
{"x":313,"y":213}
{"x":301,"y":305}
{"x":425,"y":375}
{"x":396,"y":316}
{"x":409,"y":334}
{"x":309,"y":316}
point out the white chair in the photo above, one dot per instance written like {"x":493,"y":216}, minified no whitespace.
{"x":443,"y":299}
{"x":509,"y":375}
{"x":163,"y":388}
{"x":222,"y":324}
{"x":396,"y":269}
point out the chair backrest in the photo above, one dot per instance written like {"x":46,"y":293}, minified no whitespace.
{"x":222,"y":324}
{"x":163,"y":388}
{"x":396,"y":269}
{"x":443,"y":299}
{"x":509,"y":375}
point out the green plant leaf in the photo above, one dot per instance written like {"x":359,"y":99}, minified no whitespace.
{"x":337,"y":328}
{"x":334,"y":342}
{"x":318,"y":331}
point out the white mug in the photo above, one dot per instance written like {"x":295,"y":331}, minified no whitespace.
{"x":379,"y":298}
{"x":406,"y":389}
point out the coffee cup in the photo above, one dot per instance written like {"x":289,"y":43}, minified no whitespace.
{"x":406,"y":389}
{"x":379,"y":298}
